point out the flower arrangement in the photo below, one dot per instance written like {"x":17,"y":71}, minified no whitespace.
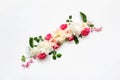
{"x":41,"y":47}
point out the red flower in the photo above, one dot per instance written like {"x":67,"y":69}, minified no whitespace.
{"x":56,"y":46}
{"x":71,"y":38}
{"x":48,"y":37}
{"x":85,"y":32}
{"x":42,"y":56}
{"x":63,"y":26}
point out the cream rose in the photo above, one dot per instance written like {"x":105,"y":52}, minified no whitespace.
{"x":59,"y":35}
{"x":45,"y":46}
{"x":76,"y":28}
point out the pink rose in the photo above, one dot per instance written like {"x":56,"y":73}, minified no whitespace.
{"x":41,"y":56}
{"x":63,"y":26}
{"x":85,"y":32}
{"x":56,"y":46}
{"x":48,"y":37}
{"x":71,"y":38}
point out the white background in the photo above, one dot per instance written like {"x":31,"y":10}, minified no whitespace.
{"x":97,"y":57}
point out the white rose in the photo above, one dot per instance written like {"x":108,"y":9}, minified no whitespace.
{"x":68,"y":32}
{"x":76,"y":28}
{"x":45,"y":46}
{"x":59,"y":35}
{"x":34,"y":51}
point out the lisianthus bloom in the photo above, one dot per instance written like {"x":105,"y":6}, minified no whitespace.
{"x":85,"y":31}
{"x":41,"y":56}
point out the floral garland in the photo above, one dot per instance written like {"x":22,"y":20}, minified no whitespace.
{"x":41,"y":47}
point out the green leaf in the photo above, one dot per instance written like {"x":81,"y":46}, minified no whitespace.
{"x":70,"y":17}
{"x":51,"y":52}
{"x":23,"y":59}
{"x":41,"y":38}
{"x":83,"y":16}
{"x":80,"y":35}
{"x":36,"y":39}
{"x":31,"y":42}
{"x":67,"y":20}
{"x":54,"y":57}
{"x":76,"y":39}
{"x":59,"y":55}
{"x":91,"y":25}
{"x":70,"y":21}
{"x":54,"y":53}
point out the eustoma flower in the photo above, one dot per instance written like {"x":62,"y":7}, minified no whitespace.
{"x":42,"y":47}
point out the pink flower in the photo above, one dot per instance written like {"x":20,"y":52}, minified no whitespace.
{"x":71,"y":38}
{"x":85,"y":32}
{"x":41,"y":56}
{"x":63,"y":26}
{"x":48,"y":37}
{"x":27,"y":64}
{"x":56,"y":46}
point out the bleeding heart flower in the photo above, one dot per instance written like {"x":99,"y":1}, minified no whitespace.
{"x":63,"y":26}
{"x":48,"y":37}
{"x":71,"y":38}
{"x":56,"y":46}
{"x":42,"y":56}
{"x":85,"y":32}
